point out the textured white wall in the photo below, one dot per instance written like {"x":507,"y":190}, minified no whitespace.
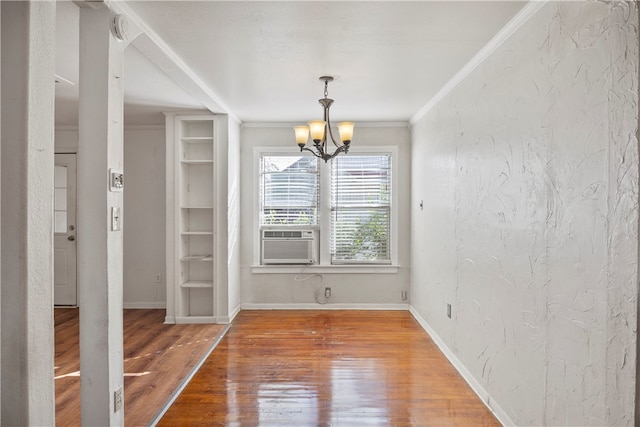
{"x":144,"y":218}
{"x":347,"y":289}
{"x":143,"y":222}
{"x":529,"y":175}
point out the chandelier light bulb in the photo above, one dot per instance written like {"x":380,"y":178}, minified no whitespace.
{"x":302,"y":135}
{"x":346,"y":132}
{"x":317,"y":127}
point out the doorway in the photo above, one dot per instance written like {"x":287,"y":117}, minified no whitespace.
{"x":64,"y":240}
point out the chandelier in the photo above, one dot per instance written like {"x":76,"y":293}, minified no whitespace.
{"x":320,"y":129}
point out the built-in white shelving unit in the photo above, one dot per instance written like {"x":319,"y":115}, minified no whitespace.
{"x":191,"y":254}
{"x":197,"y":246}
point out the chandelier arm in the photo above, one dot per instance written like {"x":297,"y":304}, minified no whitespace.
{"x":324,"y":156}
{"x":328,"y":157}
{"x":328,"y":120}
{"x":320,"y":147}
{"x":311,"y":151}
{"x":331,"y":135}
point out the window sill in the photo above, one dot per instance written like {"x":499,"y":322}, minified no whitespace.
{"x":324,"y":269}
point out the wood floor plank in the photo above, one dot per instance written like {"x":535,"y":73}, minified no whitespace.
{"x":327,"y":368}
{"x":157,"y":358}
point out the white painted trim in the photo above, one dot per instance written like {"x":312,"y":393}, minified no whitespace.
{"x":180,"y":320}
{"x":292,"y":124}
{"x":186,"y":112}
{"x":154,"y":48}
{"x":188,"y":378}
{"x":234,"y":313}
{"x":145,"y":127}
{"x":63,"y":80}
{"x":66,"y":150}
{"x":255,"y":209}
{"x":170,"y":320}
{"x":328,"y":306}
{"x":66,"y":128}
{"x":530,"y":9}
{"x":475,"y":385}
{"x":325,"y":269}
{"x":145,"y":305}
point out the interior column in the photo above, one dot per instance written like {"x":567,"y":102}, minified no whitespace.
{"x":100,"y":210}
{"x":27,"y":89}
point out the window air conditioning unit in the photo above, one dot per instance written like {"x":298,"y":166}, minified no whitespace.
{"x":288,"y":246}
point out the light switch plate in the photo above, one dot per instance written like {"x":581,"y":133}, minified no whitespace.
{"x":115,"y":218}
{"x":117,"y":399}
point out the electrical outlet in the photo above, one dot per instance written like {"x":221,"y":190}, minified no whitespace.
{"x":158,"y":278}
{"x":449,"y":310}
{"x":117,"y":400}
{"x":327,"y":292}
{"x":404,"y":295}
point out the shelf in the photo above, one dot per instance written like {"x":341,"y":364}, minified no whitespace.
{"x":197,"y":233}
{"x":197,"y":284}
{"x":196,"y":139}
{"x":197,"y":258}
{"x":197,"y":162}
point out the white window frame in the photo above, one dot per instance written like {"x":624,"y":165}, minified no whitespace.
{"x":389,"y":213}
{"x":324,"y":215}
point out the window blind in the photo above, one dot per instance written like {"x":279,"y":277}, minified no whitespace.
{"x":360,"y":209}
{"x":289,"y":190}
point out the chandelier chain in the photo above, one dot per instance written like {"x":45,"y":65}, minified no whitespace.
{"x":326,"y":89}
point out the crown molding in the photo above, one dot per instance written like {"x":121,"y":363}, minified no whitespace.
{"x":74,"y":128}
{"x":358,"y":124}
{"x":530,"y":9}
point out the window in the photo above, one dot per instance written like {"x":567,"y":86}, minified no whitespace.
{"x":348,"y":201}
{"x":60,"y":199}
{"x":288,"y":190}
{"x":360,"y":209}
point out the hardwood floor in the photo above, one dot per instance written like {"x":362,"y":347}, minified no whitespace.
{"x":157,"y":357}
{"x":327,"y":368}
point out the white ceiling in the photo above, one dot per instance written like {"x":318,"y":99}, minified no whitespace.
{"x":148,"y":91}
{"x":262,"y":59}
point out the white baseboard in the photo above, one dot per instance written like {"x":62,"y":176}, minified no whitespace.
{"x":161,"y":304}
{"x":196,"y":319}
{"x":483,"y":394}
{"x":234,"y":313}
{"x":328,"y":306}
{"x":223,"y":320}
